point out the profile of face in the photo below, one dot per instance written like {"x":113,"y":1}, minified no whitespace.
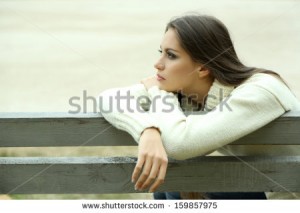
{"x":175,"y":65}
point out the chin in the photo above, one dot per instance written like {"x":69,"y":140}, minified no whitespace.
{"x":169,"y":90}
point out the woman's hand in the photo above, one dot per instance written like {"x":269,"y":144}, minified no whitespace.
{"x":152,"y":161}
{"x":150,"y":82}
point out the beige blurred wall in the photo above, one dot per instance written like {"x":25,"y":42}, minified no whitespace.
{"x":51,"y":51}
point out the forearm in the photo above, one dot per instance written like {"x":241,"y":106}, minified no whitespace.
{"x":196,"y":135}
{"x":122,"y":108}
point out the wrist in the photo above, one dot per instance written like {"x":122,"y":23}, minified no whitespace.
{"x":151,"y":130}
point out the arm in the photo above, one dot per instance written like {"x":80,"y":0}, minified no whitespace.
{"x":125,"y":114}
{"x":125,"y":108}
{"x":249,"y":108}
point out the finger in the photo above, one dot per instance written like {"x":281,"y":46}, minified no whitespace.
{"x":153,"y":174}
{"x":161,"y":177}
{"x":145,"y":173}
{"x":148,"y":78}
{"x":138,"y":168}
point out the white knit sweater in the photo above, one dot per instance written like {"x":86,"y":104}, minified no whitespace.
{"x":232,"y":114}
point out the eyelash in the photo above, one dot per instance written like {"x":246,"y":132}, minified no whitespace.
{"x":170,"y":55}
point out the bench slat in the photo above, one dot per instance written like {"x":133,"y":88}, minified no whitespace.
{"x":63,"y":129}
{"x":64,"y":175}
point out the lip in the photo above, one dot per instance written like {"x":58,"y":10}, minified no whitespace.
{"x":160,"y":77}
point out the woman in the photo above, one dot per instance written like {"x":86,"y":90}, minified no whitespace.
{"x":198,"y":71}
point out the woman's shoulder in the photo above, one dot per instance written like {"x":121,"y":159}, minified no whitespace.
{"x":272,"y":84}
{"x":265,"y":80}
{"x":269,"y":82}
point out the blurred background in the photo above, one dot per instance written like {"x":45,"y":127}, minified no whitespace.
{"x":51,"y":51}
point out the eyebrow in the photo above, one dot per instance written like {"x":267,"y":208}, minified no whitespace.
{"x":170,"y":49}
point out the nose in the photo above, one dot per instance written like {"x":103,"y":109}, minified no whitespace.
{"x":159,"y":66}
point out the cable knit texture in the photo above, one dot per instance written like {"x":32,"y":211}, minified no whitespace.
{"x":231,"y":114}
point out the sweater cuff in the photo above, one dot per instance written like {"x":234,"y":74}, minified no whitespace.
{"x":139,"y":130}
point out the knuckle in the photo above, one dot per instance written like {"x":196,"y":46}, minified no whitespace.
{"x":145,"y":173}
{"x":150,"y":156}
{"x":150,"y":179}
{"x":145,"y":185}
{"x":138,"y":168}
{"x":142,"y":177}
{"x":160,"y":180}
{"x":165,"y":159}
{"x":143,"y":154}
{"x":147,"y":156}
{"x":139,"y":183}
{"x":162,"y":159}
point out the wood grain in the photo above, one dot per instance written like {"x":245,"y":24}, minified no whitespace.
{"x":112,"y":175}
{"x":63,"y":129}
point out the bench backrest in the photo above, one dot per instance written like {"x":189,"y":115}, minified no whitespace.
{"x":62,"y":175}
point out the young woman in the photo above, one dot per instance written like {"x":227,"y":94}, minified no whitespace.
{"x":198,"y":70}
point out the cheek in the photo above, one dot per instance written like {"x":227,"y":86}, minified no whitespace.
{"x":183,"y":75}
{"x":178,"y":78}
{"x":178,"y":81}
{"x":179,"y":75}
{"x":187,"y":80}
{"x":179,"y":70}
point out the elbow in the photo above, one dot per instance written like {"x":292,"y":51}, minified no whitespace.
{"x":175,"y":148}
{"x":180,"y":148}
{"x":183,"y":153}
{"x":176,"y":155}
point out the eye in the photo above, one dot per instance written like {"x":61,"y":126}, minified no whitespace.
{"x":171,"y":55}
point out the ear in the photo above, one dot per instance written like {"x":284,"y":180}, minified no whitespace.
{"x":203,"y":72}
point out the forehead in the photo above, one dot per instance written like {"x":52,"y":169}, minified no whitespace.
{"x":170,"y":40}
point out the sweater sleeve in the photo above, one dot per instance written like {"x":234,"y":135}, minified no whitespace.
{"x":247,"y":109}
{"x":125,"y":108}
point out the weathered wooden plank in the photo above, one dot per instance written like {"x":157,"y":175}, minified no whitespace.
{"x":63,"y":129}
{"x":59,"y":129}
{"x":112,"y":175}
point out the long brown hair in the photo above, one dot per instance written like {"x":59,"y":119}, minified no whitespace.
{"x":207,"y":40}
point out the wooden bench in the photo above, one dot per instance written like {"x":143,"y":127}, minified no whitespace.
{"x":95,"y":175}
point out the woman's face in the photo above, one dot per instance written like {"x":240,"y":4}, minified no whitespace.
{"x":175,"y":65}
